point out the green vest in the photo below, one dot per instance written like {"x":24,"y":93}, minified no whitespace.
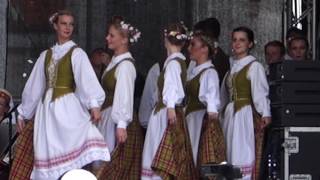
{"x":63,"y":80}
{"x":160,"y":82}
{"x":109,"y":82}
{"x":192,"y":90}
{"x":241,"y":87}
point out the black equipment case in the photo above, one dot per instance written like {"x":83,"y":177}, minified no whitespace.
{"x":298,"y":155}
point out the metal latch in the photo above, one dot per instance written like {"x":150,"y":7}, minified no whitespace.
{"x":291,"y":144}
{"x":300,"y":177}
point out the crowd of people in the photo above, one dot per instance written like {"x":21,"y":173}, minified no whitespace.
{"x":196,"y":108}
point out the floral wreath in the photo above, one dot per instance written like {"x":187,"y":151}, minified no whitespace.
{"x":134,"y":33}
{"x":176,"y":34}
{"x":206,"y":39}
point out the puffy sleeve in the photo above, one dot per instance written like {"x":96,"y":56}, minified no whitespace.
{"x":33,"y":90}
{"x":209,"y":90}
{"x":173,"y":92}
{"x":88,"y":89}
{"x":122,"y":107}
{"x":259,"y":89}
{"x":149,"y":95}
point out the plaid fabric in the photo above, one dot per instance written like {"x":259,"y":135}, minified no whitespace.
{"x":173,"y":159}
{"x":23,"y":159}
{"x":259,"y":138}
{"x":212,"y":148}
{"x":126,"y":158}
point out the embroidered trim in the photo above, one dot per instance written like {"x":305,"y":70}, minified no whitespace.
{"x":56,"y":161}
{"x":147,"y":172}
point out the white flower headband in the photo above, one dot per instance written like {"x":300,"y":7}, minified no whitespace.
{"x":134,"y":33}
{"x":208,"y":40}
{"x":176,"y":34}
{"x":53,"y":17}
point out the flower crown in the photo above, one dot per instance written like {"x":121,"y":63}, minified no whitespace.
{"x":134,"y":33}
{"x":176,"y":34}
{"x":212,"y":43}
{"x":53,"y":17}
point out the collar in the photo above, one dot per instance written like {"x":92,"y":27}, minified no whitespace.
{"x":65,"y":46}
{"x":240,"y":63}
{"x":197,"y":69}
{"x":173,"y":56}
{"x":116,"y":59}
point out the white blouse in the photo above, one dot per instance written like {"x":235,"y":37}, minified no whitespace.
{"x":173,"y":91}
{"x":209,"y":86}
{"x":122,"y":107}
{"x":88,"y":89}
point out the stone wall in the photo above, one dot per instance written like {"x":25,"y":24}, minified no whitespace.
{"x":150,"y":16}
{"x":263,"y":17}
{"x":3,"y":41}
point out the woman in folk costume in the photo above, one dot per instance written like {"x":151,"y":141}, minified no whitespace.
{"x":167,"y":150}
{"x":121,"y":130}
{"x":64,"y":96}
{"x":203,"y":102}
{"x":247,"y":106}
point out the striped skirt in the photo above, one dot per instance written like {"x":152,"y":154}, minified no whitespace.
{"x":126,"y":158}
{"x":173,"y":159}
{"x":22,"y":164}
{"x":212,"y":148}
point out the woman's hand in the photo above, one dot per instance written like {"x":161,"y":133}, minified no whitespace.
{"x":95,"y":115}
{"x":172,"y":117}
{"x":20,"y":125}
{"x":121,"y":135}
{"x":212,"y":115}
{"x":265,"y":121}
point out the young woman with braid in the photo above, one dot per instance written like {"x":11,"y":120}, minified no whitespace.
{"x":119,"y":126}
{"x":167,"y":151}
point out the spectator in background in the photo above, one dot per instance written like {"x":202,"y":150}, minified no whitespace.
{"x":274,"y":52}
{"x":298,"y":48}
{"x":6,"y":103}
{"x":100,"y":59}
{"x":220,"y":60}
{"x":292,"y":33}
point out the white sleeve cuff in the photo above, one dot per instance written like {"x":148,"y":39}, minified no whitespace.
{"x":122,"y":124}
{"x":20,"y":117}
{"x":171,"y":104}
{"x":266,"y":114}
{"x":212,"y":108}
{"x":93,"y":104}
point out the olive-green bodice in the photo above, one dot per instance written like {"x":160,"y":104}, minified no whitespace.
{"x":59,"y":75}
{"x":241,"y":88}
{"x":192,"y":92}
{"x":109,"y":82}
{"x":160,"y":82}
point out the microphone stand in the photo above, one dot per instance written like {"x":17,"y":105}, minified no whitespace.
{"x":11,"y":140}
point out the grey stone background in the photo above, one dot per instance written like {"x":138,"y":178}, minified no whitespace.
{"x":150,"y":16}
